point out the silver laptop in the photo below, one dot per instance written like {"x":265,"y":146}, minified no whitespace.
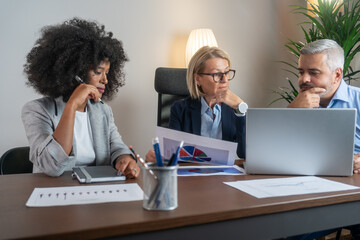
{"x":300,"y":141}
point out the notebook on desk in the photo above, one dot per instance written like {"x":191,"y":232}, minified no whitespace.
{"x":93,"y":174}
{"x":300,"y":141}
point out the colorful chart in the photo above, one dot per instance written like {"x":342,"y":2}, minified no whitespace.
{"x":193,"y":154}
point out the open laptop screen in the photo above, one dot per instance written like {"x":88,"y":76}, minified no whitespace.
{"x":300,"y":141}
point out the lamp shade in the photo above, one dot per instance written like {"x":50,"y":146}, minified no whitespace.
{"x":197,"y":39}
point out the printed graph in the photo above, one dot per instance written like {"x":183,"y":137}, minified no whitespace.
{"x":193,"y":154}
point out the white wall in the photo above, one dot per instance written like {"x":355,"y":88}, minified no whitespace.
{"x":154,"y":33}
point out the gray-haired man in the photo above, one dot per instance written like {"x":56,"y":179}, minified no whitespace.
{"x":321,"y":86}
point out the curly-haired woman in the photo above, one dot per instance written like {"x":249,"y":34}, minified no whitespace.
{"x":74,"y":65}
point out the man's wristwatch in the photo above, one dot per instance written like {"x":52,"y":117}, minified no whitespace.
{"x":242,"y":108}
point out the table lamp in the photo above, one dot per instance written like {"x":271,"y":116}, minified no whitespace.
{"x":197,"y":39}
{"x":314,"y":3}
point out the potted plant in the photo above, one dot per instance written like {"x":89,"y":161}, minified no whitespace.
{"x":327,"y":20}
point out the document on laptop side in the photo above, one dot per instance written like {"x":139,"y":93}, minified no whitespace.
{"x":279,"y":187}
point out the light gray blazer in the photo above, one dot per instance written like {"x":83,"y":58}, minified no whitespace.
{"x":40,"y":118}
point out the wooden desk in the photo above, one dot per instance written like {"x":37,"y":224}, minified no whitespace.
{"x":208,"y":209}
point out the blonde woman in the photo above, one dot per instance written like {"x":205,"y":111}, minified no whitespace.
{"x":212,"y":110}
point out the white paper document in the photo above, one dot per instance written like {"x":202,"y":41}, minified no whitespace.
{"x":196,"y":148}
{"x":278,"y":187}
{"x":60,"y":196}
{"x":209,"y":170}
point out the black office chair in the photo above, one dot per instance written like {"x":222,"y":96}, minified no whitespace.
{"x":170,"y":83}
{"x":16,"y":160}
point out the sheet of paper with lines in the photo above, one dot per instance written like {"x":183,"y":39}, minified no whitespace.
{"x":60,"y":196}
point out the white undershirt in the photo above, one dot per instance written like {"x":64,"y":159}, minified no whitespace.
{"x":85,"y":154}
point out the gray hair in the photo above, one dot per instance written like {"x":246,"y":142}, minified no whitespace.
{"x":335,"y":53}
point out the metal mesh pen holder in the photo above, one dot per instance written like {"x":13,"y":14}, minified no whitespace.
{"x":160,"y":188}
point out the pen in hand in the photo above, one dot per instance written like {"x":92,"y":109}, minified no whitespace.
{"x":142,"y":162}
{"x":79,"y":80}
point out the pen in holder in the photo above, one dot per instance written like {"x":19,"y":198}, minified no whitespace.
{"x":160,"y":193}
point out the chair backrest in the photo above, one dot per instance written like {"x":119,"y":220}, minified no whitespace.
{"x":170,"y":84}
{"x":16,"y":160}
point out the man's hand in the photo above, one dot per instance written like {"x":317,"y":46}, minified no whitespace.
{"x":307,"y":99}
{"x":127,"y":166}
{"x":356,"y":163}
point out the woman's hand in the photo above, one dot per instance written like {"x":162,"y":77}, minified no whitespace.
{"x":150,"y":156}
{"x":229,"y":98}
{"x":127,"y":166}
{"x":64,"y":131}
{"x":83,"y":93}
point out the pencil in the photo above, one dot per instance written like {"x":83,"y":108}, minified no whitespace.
{"x":142,"y":162}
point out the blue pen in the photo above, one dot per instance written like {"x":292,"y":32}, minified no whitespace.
{"x":177,"y":154}
{"x":155,"y":143}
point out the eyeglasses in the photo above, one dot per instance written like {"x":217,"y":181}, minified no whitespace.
{"x":219,"y":76}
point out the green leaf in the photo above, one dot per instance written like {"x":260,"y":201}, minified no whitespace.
{"x":289,"y":64}
{"x":292,"y":86}
{"x":289,"y":71}
{"x":328,"y":23}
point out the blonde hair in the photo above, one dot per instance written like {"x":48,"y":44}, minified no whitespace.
{"x":197,"y":65}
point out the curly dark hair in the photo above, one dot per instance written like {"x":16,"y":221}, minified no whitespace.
{"x":73,"y":48}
